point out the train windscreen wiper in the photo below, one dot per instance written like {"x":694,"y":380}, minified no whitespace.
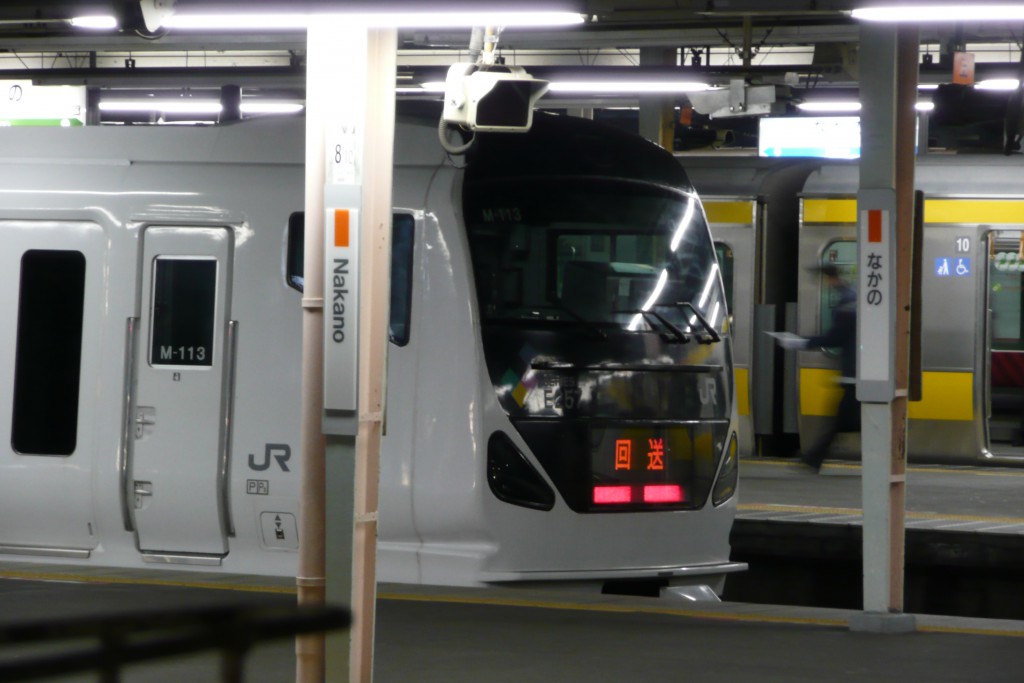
{"x":589,"y":325}
{"x":675,"y":334}
{"x":710,"y":335}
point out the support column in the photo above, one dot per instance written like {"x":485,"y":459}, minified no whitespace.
{"x":657,"y":112}
{"x":888,"y":86}
{"x":349,"y":139}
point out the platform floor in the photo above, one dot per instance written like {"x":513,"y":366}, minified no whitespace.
{"x":429,"y":634}
{"x":433,"y":634}
{"x":965,"y":499}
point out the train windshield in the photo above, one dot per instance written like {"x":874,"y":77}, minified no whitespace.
{"x":594,"y":254}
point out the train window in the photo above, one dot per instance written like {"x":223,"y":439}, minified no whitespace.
{"x":843,"y":255}
{"x":725,"y":266}
{"x":594,"y":254}
{"x":1006,"y":296}
{"x":184,"y":304}
{"x":294,"y":250}
{"x":49,"y":352}
{"x":402,"y":235}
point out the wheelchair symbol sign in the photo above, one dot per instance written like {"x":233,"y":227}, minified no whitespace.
{"x":952,"y":267}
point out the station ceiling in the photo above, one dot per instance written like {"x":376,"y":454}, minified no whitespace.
{"x":804,"y":47}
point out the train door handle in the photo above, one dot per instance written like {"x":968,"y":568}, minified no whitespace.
{"x":144,"y":416}
{"x":143,"y":490}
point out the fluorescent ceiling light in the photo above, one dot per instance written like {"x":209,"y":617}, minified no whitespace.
{"x":271,"y":107}
{"x":997,"y":84}
{"x":830,"y":106}
{"x":603,"y":87}
{"x":920,"y":14}
{"x":99,"y":21}
{"x":627,"y":87}
{"x":286,"y":22}
{"x":925,"y":106}
{"x":167,"y":106}
{"x":927,"y":86}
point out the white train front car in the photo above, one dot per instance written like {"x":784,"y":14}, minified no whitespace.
{"x":563,"y":408}
{"x":560,"y":401}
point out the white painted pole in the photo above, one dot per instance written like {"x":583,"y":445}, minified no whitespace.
{"x":888,"y":78}
{"x":350,"y":138}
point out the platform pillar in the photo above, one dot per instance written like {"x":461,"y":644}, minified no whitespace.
{"x":888,"y":87}
{"x":657,"y":112}
{"x":349,"y":156}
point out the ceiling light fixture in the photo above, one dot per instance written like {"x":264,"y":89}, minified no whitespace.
{"x":627,"y":87}
{"x":294,"y":22}
{"x":271,"y":107}
{"x":603,"y":87}
{"x":166,"y":106}
{"x":937,"y":13}
{"x":99,"y":22}
{"x":997,"y":84}
{"x":830,"y":106}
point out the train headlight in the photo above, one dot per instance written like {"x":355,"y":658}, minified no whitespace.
{"x":725,"y":486}
{"x":512,"y":478}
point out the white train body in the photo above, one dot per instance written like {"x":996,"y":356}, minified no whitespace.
{"x":180,"y":443}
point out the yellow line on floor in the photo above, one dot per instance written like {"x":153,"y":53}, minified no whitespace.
{"x":670,"y":611}
{"x":139,"y":581}
{"x":611,"y":608}
{"x":812,"y":509}
{"x":977,"y":471}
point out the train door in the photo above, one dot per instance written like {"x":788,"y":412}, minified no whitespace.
{"x":183,"y":385}
{"x":732,"y":223}
{"x":50,"y":340}
{"x":1005,"y":342}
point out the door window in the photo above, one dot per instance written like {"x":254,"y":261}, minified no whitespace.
{"x":184,"y":304}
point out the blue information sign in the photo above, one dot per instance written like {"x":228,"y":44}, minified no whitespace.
{"x":952,"y":267}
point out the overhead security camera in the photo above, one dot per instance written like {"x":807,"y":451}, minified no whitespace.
{"x":494,"y":99}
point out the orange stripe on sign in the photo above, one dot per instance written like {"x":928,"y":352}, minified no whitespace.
{"x":341,"y":227}
{"x":874,"y":225}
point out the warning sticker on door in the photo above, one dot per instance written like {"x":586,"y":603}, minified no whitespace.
{"x":280,"y":530}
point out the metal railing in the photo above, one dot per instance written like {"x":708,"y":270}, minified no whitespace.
{"x":105,"y":645}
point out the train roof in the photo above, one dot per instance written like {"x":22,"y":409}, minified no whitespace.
{"x":262,"y":141}
{"x":748,"y":177}
{"x":955,"y":175}
{"x":575,"y":147}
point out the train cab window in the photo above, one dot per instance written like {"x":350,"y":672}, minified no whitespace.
{"x":725,"y":266}
{"x":843,"y":255}
{"x":184,"y":305}
{"x":48,"y":356}
{"x":402,"y":235}
{"x":294,"y":250}
{"x":595,"y":256}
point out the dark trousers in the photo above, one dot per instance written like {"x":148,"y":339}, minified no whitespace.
{"x":847,"y":419}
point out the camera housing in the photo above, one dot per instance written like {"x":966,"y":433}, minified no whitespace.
{"x":492,"y":99}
